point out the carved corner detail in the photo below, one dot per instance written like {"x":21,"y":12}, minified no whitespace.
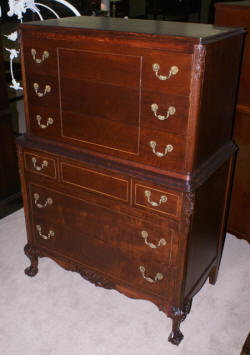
{"x":200,"y":55}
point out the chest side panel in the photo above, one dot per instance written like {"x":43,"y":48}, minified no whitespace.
{"x":216,"y":112}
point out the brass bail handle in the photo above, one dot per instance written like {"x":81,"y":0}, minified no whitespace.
{"x":173,"y":71}
{"x":158,"y":276}
{"x":45,"y":56}
{"x":163,"y":199}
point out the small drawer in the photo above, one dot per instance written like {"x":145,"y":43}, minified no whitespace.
{"x":167,"y":72}
{"x":39,"y":57}
{"x":44,"y":121}
{"x":163,"y":150}
{"x":42,"y":90}
{"x":163,"y":112}
{"x":40,"y":164}
{"x":157,"y":200}
{"x":97,"y":181}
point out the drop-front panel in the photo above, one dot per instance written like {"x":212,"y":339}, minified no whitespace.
{"x":126,"y":165}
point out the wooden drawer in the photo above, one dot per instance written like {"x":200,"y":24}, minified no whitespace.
{"x":164,"y":201}
{"x":134,"y":237}
{"x":40,"y":56}
{"x":42,"y":90}
{"x":97,"y":181}
{"x":41,"y":164}
{"x":165,"y":112}
{"x":162,"y":149}
{"x":148,"y":275}
{"x":98,"y":254}
{"x":44,"y":121}
{"x":158,"y":64}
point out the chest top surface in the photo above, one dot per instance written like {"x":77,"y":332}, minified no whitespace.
{"x":194,"y":32}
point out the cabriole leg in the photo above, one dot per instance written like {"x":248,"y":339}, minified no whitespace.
{"x":32,"y":270}
{"x":178,"y":315}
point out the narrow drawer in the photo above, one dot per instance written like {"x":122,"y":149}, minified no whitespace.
{"x":44,"y":121}
{"x":167,"y":72}
{"x":40,"y":164}
{"x":40,"y":56}
{"x":157,"y":200}
{"x":163,"y":149}
{"x":165,"y":112}
{"x":100,"y":182}
{"x":42,"y":90}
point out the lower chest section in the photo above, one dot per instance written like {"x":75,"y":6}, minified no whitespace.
{"x":123,"y":228}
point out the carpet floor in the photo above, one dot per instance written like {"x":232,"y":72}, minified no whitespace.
{"x":59,"y":313}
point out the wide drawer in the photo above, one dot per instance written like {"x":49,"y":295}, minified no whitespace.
{"x":137,"y":271}
{"x":133,"y":237}
{"x":101,"y":256}
{"x":40,"y":163}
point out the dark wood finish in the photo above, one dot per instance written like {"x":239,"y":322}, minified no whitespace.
{"x":246,"y":346}
{"x":238,"y":14}
{"x":143,"y":220}
{"x":10,"y":195}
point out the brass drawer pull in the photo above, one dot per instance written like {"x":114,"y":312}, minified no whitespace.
{"x":168,"y":149}
{"x":173,"y":71}
{"x":37,"y":60}
{"x":39,"y":168}
{"x":48,"y":201}
{"x":50,"y":121}
{"x":171,"y":111}
{"x":158,"y":276}
{"x":41,"y":94}
{"x":162,"y":241}
{"x":44,"y":236}
{"x":163,"y":199}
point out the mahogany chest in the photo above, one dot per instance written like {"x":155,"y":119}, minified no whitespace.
{"x":238,"y":14}
{"x":126,"y":165}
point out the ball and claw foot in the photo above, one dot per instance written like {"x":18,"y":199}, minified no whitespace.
{"x":31,"y":271}
{"x":175,"y":337}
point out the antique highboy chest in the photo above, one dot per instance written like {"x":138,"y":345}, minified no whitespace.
{"x":126,"y":164}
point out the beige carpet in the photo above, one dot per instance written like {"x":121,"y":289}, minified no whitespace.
{"x":59,"y":313}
